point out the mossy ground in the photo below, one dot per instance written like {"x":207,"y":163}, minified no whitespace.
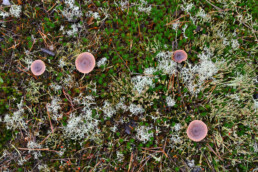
{"x":130,"y":40}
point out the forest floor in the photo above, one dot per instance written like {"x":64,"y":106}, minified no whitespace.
{"x":132,"y":111}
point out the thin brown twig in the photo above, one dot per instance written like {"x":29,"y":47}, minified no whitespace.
{"x":210,"y":148}
{"x":13,"y":47}
{"x":27,"y":72}
{"x":43,"y":149}
{"x":151,"y":148}
{"x":96,"y":165}
{"x":68,"y":97}
{"x":46,"y":138}
{"x":67,"y":113}
{"x":219,"y":9}
{"x":211,"y":90}
{"x":131,"y":159}
{"x":173,"y":21}
{"x":212,"y":168}
{"x":148,"y":158}
{"x":49,"y":120}
{"x":172,"y":77}
{"x":121,"y":57}
{"x":52,"y":7}
{"x":163,"y":149}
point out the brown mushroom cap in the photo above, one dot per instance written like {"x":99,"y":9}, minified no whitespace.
{"x":179,"y":56}
{"x":197,"y":130}
{"x":38,"y":67}
{"x":85,"y":62}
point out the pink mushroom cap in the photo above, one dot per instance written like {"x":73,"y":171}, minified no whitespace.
{"x":179,"y":56}
{"x":38,"y":67}
{"x":197,"y":130}
{"x":85,"y":62}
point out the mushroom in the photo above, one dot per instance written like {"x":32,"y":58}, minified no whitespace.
{"x":179,"y":56}
{"x":6,"y":2}
{"x":85,"y":62}
{"x":38,"y":67}
{"x":197,"y":130}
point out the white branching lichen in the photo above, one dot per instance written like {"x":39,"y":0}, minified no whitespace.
{"x":187,"y":8}
{"x":16,"y":120}
{"x":120,"y":156}
{"x":33,"y":145}
{"x":121,"y":105}
{"x":235,"y":44}
{"x":102,"y":61}
{"x":175,"y":139}
{"x":170,"y":102}
{"x":123,"y":4}
{"x":165,"y":63}
{"x":144,"y":133}
{"x":43,"y":167}
{"x":190,"y":163}
{"x":56,"y":87}
{"x":136,"y":109}
{"x":108,"y":109}
{"x":73,"y":31}
{"x":82,"y":126}
{"x":149,"y":71}
{"x":144,"y":7}
{"x":201,"y":13}
{"x":141,"y":82}
{"x":15,"y":10}
{"x":95,"y":15}
{"x":54,"y":107}
{"x":4,"y":14}
{"x":71,"y":11}
{"x":177,"y":127}
{"x":205,"y":69}
{"x":184,"y":28}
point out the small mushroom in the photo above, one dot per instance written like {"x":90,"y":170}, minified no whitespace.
{"x":6,"y":2}
{"x":179,"y":56}
{"x":85,"y":62}
{"x":38,"y":67}
{"x":197,"y":130}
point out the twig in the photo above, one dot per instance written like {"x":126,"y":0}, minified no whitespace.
{"x":213,"y":170}
{"x":170,"y":23}
{"x":211,"y":90}
{"x":46,"y":138}
{"x":67,"y":113}
{"x":148,"y":158}
{"x":43,"y":149}
{"x":85,"y":149}
{"x":96,"y":165}
{"x":179,"y":90}
{"x":219,"y":9}
{"x":50,"y":120}
{"x":214,"y":151}
{"x":13,"y":47}
{"x":52,"y":7}
{"x":16,"y":150}
{"x":139,"y":27}
{"x":68,"y":97}
{"x":163,"y":149}
{"x":121,"y":57}
{"x":131,"y":159}
{"x":26,"y":72}
{"x":152,"y":148}
{"x":172,"y":77}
